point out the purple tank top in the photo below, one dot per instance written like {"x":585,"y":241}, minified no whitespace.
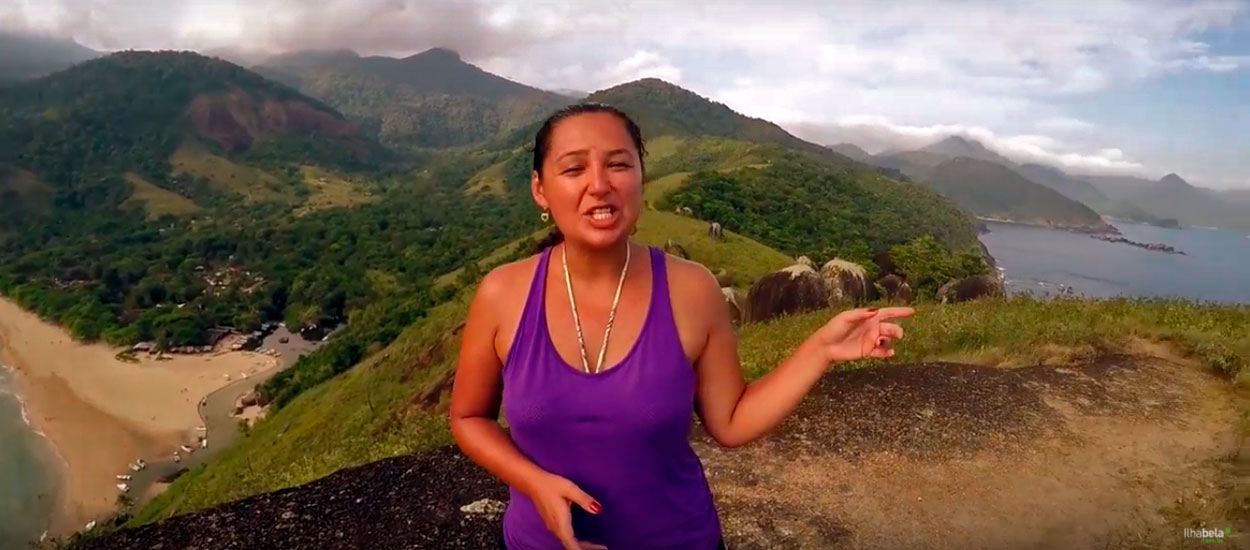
{"x":621,"y":435}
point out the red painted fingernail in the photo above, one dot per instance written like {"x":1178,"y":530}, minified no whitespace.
{"x":595,"y":508}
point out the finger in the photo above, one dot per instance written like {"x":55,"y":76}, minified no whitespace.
{"x":856,"y":315}
{"x":592,"y":546}
{"x":565,"y":534}
{"x":887,"y":313}
{"x":891,"y":330}
{"x":881,"y":353}
{"x":577,"y":495}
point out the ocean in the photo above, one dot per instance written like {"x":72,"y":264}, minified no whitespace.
{"x":28,"y":476}
{"x":1039,"y":261}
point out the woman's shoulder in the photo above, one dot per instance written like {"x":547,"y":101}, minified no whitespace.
{"x":509,"y":280}
{"x":690,"y":283}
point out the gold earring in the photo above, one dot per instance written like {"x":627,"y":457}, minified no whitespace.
{"x":545,"y":216}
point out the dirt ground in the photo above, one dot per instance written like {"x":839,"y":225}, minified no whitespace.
{"x":1124,"y":452}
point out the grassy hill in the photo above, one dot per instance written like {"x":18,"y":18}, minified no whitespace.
{"x":431,"y":99}
{"x":992,"y":190}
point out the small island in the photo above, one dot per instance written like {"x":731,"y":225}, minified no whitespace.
{"x":1158,"y":247}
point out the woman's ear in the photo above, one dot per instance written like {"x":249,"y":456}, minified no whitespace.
{"x":536,"y":190}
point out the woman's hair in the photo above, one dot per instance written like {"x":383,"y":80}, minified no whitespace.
{"x":542,"y":145}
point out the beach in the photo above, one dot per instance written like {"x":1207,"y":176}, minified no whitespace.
{"x":99,"y":413}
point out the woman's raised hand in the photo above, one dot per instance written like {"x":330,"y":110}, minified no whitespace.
{"x":859,"y":334}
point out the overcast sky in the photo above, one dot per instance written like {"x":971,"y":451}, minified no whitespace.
{"x":1136,"y":87}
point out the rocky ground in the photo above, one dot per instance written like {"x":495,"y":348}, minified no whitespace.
{"x":1123,"y":452}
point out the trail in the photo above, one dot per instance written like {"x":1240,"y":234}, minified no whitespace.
{"x":1124,"y":452}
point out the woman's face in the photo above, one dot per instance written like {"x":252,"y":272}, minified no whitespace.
{"x":591,"y":179}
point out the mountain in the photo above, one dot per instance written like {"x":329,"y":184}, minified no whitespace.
{"x":991,"y":190}
{"x":24,"y":56}
{"x":431,"y":99}
{"x":853,"y":151}
{"x":118,"y":126}
{"x":1173,"y":197}
{"x":956,"y":146}
{"x":662,"y":108}
{"x":1234,"y":196}
{"x":1083,"y":191}
{"x":917,"y":165}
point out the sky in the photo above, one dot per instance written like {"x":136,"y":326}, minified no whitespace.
{"x":1143,"y":87}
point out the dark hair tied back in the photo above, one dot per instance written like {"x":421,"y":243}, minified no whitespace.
{"x":542,"y":145}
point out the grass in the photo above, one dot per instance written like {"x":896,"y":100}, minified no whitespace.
{"x":156,"y":200}
{"x":330,"y":191}
{"x":490,"y":180}
{"x":746,"y":258}
{"x":1025,"y":331}
{"x":655,"y":189}
{"x":254,"y":184}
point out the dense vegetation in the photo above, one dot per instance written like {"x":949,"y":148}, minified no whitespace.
{"x":801,"y":207}
{"x":80,"y":147}
{"x":431,"y":99}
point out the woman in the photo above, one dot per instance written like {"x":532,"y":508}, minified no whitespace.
{"x":599,"y":377}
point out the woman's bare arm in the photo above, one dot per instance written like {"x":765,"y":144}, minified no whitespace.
{"x":476,"y":393}
{"x":735,"y":413}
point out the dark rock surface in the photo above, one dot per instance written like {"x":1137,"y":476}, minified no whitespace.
{"x":411,"y":502}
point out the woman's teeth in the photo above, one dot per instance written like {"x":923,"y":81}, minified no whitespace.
{"x":601,"y":213}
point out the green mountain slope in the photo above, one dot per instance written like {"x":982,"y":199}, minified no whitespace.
{"x":1084,"y":192}
{"x":431,"y":99}
{"x":991,"y":190}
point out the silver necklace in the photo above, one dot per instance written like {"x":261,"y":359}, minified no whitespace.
{"x":568,"y":283}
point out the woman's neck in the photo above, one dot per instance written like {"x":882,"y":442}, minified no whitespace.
{"x":596,"y":266}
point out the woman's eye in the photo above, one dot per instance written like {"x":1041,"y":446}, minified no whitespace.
{"x":572,"y":170}
{"x":619,"y":165}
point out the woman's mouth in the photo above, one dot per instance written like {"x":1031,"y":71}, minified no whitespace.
{"x":603,"y":217}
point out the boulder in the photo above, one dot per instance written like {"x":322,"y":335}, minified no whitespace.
{"x":249,"y":400}
{"x":972,"y":288}
{"x":804,"y":260}
{"x":848,"y":281}
{"x":676,"y":249}
{"x":794,"y":289}
{"x":894,"y":289}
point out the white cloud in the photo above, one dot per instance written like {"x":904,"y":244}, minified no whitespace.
{"x":879,"y":134}
{"x":977,"y":64}
{"x":1064,"y":124}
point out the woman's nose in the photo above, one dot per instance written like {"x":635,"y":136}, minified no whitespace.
{"x":599,"y":182}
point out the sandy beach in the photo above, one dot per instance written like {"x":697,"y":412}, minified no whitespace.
{"x":100,"y":413}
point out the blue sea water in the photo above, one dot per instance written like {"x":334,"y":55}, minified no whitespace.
{"x":28,"y":477}
{"x":1214,"y":268}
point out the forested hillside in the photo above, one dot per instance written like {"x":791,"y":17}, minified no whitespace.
{"x":431,"y":99}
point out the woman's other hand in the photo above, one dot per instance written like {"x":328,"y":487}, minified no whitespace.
{"x":554,"y":496}
{"x":859,"y":334}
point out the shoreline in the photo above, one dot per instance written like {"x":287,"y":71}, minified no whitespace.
{"x":99,"y":414}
